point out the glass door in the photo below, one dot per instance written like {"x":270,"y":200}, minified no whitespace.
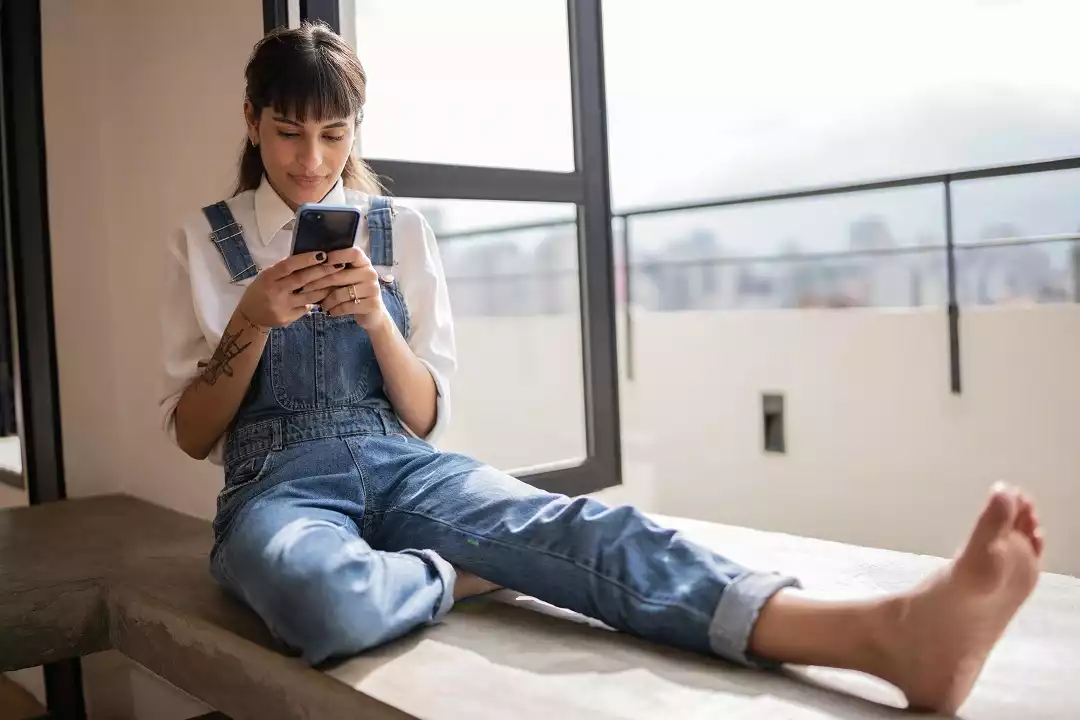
{"x":488,"y":117}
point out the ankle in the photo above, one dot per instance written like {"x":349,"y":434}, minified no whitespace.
{"x":884,"y":630}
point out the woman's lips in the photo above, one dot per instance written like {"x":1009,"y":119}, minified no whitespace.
{"x":308,"y":181}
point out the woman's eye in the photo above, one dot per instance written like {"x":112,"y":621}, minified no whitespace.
{"x":328,"y":138}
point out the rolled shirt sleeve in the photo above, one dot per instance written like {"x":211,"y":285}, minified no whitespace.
{"x":184,"y":343}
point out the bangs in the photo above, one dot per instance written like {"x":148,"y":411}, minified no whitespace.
{"x":309,"y":74}
{"x":310,"y":84}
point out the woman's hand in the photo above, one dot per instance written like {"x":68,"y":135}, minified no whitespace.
{"x":272,"y":301}
{"x":357,"y":291}
{"x":353,"y":290}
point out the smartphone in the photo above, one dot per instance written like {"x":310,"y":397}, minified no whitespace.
{"x":325,"y":227}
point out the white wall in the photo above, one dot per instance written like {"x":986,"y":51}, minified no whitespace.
{"x":143,"y":111}
{"x":143,"y":121}
{"x":880,"y":453}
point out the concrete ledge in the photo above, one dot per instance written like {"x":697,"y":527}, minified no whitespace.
{"x":227,"y":671}
{"x":81,"y":576}
{"x":53,"y":623}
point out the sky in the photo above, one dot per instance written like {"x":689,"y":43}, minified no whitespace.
{"x":718,"y":97}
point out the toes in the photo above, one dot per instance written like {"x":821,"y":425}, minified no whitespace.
{"x":1023,"y":499}
{"x":1030,"y":510}
{"x":997,"y":517}
{"x":1027,"y":525}
{"x":1027,"y":522}
{"x":1038,"y":543}
{"x":1025,"y":517}
{"x":1025,"y":503}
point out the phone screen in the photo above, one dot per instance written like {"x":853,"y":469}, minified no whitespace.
{"x":326,"y":229}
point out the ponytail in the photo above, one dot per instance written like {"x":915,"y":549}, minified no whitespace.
{"x":358,"y":175}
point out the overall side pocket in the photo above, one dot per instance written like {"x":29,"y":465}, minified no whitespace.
{"x":243,"y":473}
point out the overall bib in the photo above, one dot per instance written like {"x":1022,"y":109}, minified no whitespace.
{"x":342,"y":530}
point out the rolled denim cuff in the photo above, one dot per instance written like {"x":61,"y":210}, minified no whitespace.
{"x":737,"y":613}
{"x":446,"y":573}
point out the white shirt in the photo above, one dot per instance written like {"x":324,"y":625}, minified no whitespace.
{"x":199,"y":298}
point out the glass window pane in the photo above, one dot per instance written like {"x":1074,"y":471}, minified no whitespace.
{"x":518,"y":397}
{"x":469,"y":82}
{"x":1015,"y":239}
{"x":871,"y":249}
{"x":1018,"y":274}
{"x":1035,"y":204}
{"x":729,"y":99}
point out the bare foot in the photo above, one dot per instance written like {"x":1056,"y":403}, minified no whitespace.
{"x":468,"y":585}
{"x":942,"y":632}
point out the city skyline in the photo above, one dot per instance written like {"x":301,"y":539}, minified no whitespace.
{"x":694,"y":272}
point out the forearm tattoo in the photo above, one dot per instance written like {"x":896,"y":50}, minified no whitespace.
{"x":221,"y":362}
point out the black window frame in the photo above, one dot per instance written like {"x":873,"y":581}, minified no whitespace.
{"x":588,"y":187}
{"x":25,"y":223}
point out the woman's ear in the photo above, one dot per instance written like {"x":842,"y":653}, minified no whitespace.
{"x":252,"y":123}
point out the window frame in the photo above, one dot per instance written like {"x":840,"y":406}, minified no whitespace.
{"x":24,"y":219}
{"x":588,"y":187}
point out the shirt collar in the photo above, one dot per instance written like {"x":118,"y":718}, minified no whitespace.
{"x":272,"y":213}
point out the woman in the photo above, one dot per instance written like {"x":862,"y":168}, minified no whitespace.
{"x":343,"y":527}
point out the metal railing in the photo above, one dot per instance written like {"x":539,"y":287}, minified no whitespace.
{"x":945,"y":180}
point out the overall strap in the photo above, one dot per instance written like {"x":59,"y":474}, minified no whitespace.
{"x":380,"y":222}
{"x":228,"y":235}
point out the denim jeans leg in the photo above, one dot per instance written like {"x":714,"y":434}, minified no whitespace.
{"x":610,"y":563}
{"x":322,"y":589}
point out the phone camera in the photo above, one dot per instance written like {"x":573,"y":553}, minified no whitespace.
{"x":317,"y":217}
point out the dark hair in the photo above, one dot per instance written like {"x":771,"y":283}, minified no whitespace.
{"x":309,"y":70}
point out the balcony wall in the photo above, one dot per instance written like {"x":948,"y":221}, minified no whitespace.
{"x":879,"y":452}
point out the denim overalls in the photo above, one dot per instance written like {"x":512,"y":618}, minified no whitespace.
{"x":343,"y":531}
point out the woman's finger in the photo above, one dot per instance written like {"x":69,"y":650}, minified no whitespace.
{"x":349,"y":307}
{"x":342,"y":295}
{"x":301,"y":278}
{"x":291,"y":264}
{"x":351,"y":298}
{"x":315,"y":297}
{"x":336,"y":279}
{"x":352,"y":256}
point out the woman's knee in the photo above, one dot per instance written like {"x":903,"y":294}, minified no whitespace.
{"x":309,"y":579}
{"x":323,"y":615}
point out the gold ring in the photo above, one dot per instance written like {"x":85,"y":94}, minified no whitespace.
{"x":352,"y":294}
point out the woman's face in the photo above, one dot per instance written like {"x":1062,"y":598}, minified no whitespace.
{"x":302,"y":160}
